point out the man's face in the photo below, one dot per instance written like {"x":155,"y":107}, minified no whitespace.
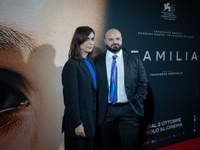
{"x":113,"y":40}
{"x":34,"y":43}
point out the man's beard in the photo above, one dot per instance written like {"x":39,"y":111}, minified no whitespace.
{"x":115,"y":49}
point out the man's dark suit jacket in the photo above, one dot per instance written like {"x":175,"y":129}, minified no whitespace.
{"x":135,"y":83}
{"x":79,"y":98}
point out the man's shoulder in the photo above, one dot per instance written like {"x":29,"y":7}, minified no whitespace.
{"x":130,"y":54}
{"x":101,"y":55}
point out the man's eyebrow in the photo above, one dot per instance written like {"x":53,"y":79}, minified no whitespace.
{"x":10,"y":38}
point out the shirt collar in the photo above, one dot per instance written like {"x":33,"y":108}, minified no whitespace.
{"x":110,"y":54}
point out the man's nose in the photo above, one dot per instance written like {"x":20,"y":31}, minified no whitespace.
{"x":115,"y":41}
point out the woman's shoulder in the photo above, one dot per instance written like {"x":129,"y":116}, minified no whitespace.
{"x":70,"y":66}
{"x":71,"y":63}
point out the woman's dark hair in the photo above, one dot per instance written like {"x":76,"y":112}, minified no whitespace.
{"x":81,"y":35}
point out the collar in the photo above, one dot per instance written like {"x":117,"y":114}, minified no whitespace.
{"x":86,"y":58}
{"x":110,"y":54}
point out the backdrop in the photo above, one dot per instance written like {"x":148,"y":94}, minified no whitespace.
{"x":166,"y":35}
{"x":34,"y":43}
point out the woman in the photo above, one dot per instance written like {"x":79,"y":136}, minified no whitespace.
{"x":79,"y":90}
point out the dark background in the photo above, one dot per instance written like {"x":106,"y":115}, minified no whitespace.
{"x":170,"y":96}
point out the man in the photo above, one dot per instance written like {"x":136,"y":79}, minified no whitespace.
{"x":121,"y":95}
{"x":34,"y":44}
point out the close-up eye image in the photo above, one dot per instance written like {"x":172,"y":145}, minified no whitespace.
{"x":12,"y":87}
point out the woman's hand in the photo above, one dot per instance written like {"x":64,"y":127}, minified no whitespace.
{"x":79,"y":131}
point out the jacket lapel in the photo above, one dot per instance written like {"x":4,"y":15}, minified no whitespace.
{"x":126,"y":65}
{"x":95,"y":70}
{"x":103,"y":67}
{"x":86,"y":69}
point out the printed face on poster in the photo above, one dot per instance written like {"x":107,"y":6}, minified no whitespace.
{"x":34,"y":43}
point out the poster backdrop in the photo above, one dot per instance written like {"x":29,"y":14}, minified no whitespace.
{"x":166,"y":34}
{"x":34,"y":43}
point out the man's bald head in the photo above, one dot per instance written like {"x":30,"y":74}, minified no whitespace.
{"x":112,"y":31}
{"x":113,"y":40}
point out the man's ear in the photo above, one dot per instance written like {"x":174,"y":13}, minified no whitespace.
{"x":105,"y":41}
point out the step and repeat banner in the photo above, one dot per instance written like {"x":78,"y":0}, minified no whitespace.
{"x":34,"y":43}
{"x":166,"y":34}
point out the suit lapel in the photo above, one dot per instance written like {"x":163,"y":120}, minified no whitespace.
{"x":95,"y":70}
{"x":86,"y":69}
{"x":126,"y":65}
{"x":103,"y":67}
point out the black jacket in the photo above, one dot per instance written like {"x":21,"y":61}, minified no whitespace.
{"x":79,"y":98}
{"x":135,"y":84}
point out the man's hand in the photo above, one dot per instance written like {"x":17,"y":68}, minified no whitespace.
{"x":80,"y":131}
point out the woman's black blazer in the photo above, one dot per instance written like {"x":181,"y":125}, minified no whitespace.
{"x":79,"y":98}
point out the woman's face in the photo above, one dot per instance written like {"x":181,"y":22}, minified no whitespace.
{"x":87,"y":46}
{"x":34,"y":44}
